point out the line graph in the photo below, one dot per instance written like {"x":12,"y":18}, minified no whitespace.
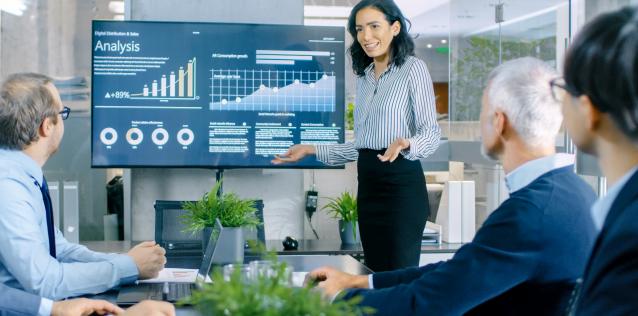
{"x":272,"y":90}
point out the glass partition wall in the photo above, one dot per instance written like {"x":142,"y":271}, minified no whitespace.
{"x":53,"y":37}
{"x":483,"y":34}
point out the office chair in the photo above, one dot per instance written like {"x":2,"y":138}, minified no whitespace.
{"x":170,"y":231}
{"x":259,"y":233}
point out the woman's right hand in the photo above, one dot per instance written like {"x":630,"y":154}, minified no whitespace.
{"x":294,"y":153}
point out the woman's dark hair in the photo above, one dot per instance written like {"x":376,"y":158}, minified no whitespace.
{"x":402,"y":45}
{"x":602,"y":64}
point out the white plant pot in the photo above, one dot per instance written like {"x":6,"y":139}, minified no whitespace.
{"x":230,"y":245}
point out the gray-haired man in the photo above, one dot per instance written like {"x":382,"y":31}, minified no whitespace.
{"x":526,"y":257}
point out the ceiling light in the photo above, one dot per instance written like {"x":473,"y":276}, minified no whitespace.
{"x":319,"y":11}
{"x":412,"y":8}
{"x":429,"y":45}
{"x":15,"y":7}
{"x":325,"y":22}
{"x":443,"y":41}
{"x":520,"y":18}
{"x":116,"y":7}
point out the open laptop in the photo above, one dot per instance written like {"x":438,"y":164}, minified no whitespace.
{"x":171,"y":291}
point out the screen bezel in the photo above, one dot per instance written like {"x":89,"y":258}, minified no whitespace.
{"x":341,"y":119}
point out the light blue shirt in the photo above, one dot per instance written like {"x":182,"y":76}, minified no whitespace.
{"x":25,"y":262}
{"x":601,"y":207}
{"x":531,"y":170}
{"x":46,"y":307}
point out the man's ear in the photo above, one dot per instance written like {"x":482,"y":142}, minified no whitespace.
{"x":591,"y":115}
{"x":46,"y":128}
{"x":499,"y":121}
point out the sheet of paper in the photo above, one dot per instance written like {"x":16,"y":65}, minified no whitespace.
{"x":173,"y":275}
{"x":298,"y":278}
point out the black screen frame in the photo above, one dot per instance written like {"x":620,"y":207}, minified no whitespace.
{"x":341,"y":119}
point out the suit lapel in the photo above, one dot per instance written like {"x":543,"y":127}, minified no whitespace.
{"x":627,"y":195}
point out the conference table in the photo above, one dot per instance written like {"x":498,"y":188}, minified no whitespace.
{"x":299,"y":262}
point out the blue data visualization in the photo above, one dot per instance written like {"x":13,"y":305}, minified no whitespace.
{"x":180,"y":94}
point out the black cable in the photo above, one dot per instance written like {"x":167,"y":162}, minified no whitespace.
{"x":309,"y":216}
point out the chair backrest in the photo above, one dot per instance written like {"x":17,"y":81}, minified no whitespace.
{"x":169,"y":229}
{"x":259,"y":233}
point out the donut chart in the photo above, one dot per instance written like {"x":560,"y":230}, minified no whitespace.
{"x":185,"y":136}
{"x":134,"y":136}
{"x":160,"y":137}
{"x":108,"y":136}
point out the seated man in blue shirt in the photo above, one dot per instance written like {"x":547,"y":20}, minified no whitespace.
{"x":34,"y":255}
{"x":530,"y":251}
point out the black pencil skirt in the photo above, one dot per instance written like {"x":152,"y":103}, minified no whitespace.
{"x":393,"y":207}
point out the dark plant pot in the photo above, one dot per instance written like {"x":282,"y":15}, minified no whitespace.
{"x":231,"y":246}
{"x":345,"y":232}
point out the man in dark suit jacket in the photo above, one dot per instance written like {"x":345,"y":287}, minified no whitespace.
{"x":600,"y":104}
{"x":530,"y":251}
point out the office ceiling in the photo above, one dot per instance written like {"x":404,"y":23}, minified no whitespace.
{"x":333,"y":3}
{"x":432,"y":18}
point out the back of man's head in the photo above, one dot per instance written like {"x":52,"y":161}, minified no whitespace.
{"x":520,"y":89}
{"x":25,"y":101}
{"x":602,"y":63}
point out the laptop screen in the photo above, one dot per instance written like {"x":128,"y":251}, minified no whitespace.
{"x":204,"y":269}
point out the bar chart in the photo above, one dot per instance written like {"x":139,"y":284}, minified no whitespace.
{"x":291,"y":57}
{"x":272,"y":90}
{"x":177,"y":85}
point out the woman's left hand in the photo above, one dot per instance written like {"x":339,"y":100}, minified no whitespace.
{"x":394,"y":150}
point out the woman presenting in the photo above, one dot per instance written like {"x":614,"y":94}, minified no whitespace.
{"x":395,"y":126}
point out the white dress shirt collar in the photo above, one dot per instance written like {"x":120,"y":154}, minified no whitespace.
{"x":602,"y":206}
{"x":531,"y":170}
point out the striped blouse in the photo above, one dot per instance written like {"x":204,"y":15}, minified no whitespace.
{"x":399,"y":105}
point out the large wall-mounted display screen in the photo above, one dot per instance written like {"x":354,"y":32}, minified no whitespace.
{"x":173,"y":94}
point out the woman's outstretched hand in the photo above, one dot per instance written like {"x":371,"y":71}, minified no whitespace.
{"x":294,"y":153}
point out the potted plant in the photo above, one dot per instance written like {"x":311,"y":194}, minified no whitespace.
{"x":267,"y":295}
{"x":233,"y":212}
{"x":344,"y":208}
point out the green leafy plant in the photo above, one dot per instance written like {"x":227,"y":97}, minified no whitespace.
{"x":269,"y":296}
{"x":350,"y":116}
{"x":231,"y":210}
{"x":344,"y":208}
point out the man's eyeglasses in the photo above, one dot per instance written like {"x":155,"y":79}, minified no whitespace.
{"x":65,"y":113}
{"x":558,"y":84}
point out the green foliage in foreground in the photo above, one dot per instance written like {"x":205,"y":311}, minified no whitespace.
{"x":268,"y":296}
